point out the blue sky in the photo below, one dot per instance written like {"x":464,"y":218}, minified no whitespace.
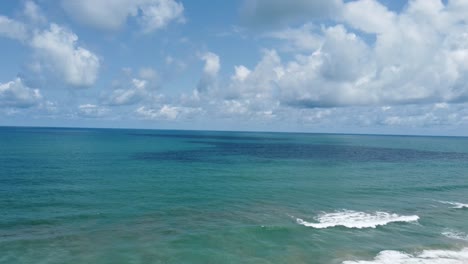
{"x":362,"y":66}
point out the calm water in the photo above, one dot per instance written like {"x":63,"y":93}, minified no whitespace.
{"x":142,"y":196}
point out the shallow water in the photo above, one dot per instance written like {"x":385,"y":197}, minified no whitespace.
{"x":143,"y":196}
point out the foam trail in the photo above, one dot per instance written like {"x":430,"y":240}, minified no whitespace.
{"x":455,"y":204}
{"x":455,"y":235}
{"x":354,"y":219}
{"x":425,"y":257}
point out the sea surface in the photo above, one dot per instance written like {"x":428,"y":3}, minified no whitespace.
{"x":157,"y":196}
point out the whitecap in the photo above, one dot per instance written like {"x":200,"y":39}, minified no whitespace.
{"x":354,"y":219}
{"x":455,"y":235}
{"x":455,"y":204}
{"x":425,"y":257}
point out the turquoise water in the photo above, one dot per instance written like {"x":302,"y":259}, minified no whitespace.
{"x":145,"y":196}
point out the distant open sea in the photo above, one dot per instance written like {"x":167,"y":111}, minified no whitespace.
{"x":152,"y":196}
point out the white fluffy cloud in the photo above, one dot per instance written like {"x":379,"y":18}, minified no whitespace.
{"x":158,"y":14}
{"x":212,"y":63}
{"x":210,"y":72}
{"x":112,"y":14}
{"x":419,"y":56}
{"x":241,"y":73}
{"x":258,"y":83}
{"x":378,"y":20}
{"x":56,"y":47}
{"x":59,"y":51}
{"x":16,"y":94}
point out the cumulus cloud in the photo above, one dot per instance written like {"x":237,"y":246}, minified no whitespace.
{"x":212,"y":63}
{"x":56,"y":47}
{"x":158,"y":14}
{"x":16,"y":94}
{"x":241,"y":73}
{"x":419,"y":56}
{"x":113,"y":14}
{"x":379,"y":20}
{"x":59,"y":51}
{"x":210,"y":72}
{"x":258,"y":83}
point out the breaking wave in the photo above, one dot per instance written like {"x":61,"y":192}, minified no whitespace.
{"x":425,"y":257}
{"x":354,"y":219}
{"x":455,"y":204}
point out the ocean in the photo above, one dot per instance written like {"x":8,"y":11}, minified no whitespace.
{"x":96,"y":196}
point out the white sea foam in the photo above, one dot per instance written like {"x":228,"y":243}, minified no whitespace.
{"x":455,"y":204}
{"x":353,"y":219}
{"x":455,"y":235}
{"x":425,"y":257}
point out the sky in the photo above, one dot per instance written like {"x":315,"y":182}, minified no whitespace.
{"x":326,"y":66}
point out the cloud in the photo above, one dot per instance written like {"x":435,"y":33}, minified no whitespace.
{"x":303,"y":38}
{"x":16,"y":94}
{"x":247,"y":109}
{"x":126,"y":96}
{"x":167,"y":112}
{"x":21,"y":30}
{"x":49,"y":107}
{"x":136,"y":93}
{"x":92,"y":111}
{"x":56,"y":47}
{"x":379,"y":20}
{"x":152,"y":15}
{"x":59,"y":51}
{"x":149,"y":74}
{"x":13,"y":29}
{"x":258,"y":83}
{"x":158,"y":14}
{"x":277,"y":12}
{"x":212,"y":63}
{"x":33,"y":13}
{"x":134,"y":89}
{"x":210,"y":72}
{"x":419,"y":56}
{"x":241,"y":73}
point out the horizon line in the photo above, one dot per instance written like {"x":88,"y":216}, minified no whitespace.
{"x":237,"y":131}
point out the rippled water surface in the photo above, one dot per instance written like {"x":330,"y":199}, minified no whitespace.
{"x":143,"y":196}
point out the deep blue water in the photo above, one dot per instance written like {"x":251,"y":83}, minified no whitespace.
{"x":158,"y":196}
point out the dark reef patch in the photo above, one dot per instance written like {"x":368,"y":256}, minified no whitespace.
{"x":319,"y":152}
{"x":202,"y":136}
